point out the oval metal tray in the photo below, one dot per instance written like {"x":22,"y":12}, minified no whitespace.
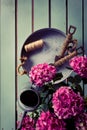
{"x":53,"y":41}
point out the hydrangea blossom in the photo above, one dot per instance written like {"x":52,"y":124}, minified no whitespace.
{"x":66,"y":103}
{"x":47,"y":121}
{"x":28,"y":123}
{"x":81,"y":121}
{"x":79,"y":65}
{"x":42,"y":73}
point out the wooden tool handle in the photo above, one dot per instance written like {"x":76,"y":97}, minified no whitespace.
{"x":68,"y":39}
{"x":64,"y":59}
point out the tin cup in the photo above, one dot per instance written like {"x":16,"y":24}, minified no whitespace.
{"x":29,"y":99}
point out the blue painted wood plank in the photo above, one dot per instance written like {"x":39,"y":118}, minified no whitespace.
{"x":85,"y":35}
{"x":85,"y":26}
{"x":75,"y":18}
{"x":40,"y":14}
{"x":58,"y":14}
{"x":7,"y":65}
{"x":24,"y":25}
{"x":24,"y":30}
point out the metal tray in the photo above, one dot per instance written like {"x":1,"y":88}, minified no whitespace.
{"x":53,"y":41}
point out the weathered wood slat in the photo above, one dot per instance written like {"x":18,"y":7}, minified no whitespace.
{"x":85,"y":26}
{"x":75,"y":17}
{"x":40,"y":14}
{"x":25,"y":27}
{"x":58,"y":14}
{"x":16,"y":54}
{"x":85,"y":36}
{"x":7,"y":65}
{"x":24,"y":30}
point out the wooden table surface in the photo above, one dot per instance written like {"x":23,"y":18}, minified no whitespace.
{"x":19,"y":18}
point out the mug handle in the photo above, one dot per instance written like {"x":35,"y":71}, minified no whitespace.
{"x":20,"y":123}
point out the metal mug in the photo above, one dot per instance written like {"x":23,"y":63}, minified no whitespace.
{"x":28,"y":101}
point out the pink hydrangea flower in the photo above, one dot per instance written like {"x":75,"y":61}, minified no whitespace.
{"x":47,"y":121}
{"x":42,"y":73}
{"x":81,"y":121}
{"x":66,"y":103}
{"x":79,"y":65}
{"x":28,"y":123}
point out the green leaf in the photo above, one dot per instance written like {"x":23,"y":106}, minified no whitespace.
{"x":73,"y":86}
{"x":47,"y":86}
{"x":77,"y":88}
{"x":51,"y":91}
{"x":44,"y":107}
{"x":58,"y":77}
{"x":71,"y":79}
{"x":77,"y":79}
{"x":58,"y":85}
{"x":43,"y":94}
{"x":84,"y":80}
{"x":68,"y":67}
